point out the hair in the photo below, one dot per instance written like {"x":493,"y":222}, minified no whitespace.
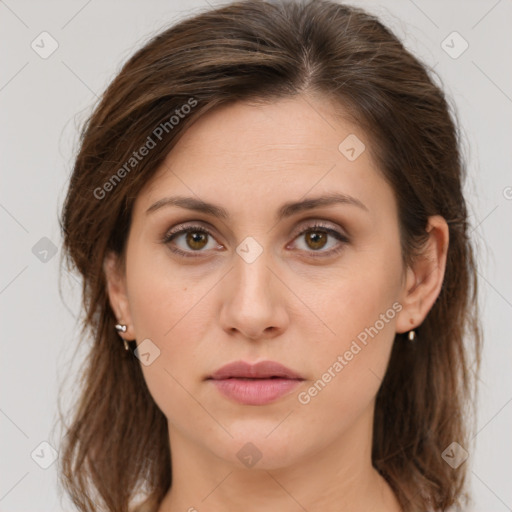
{"x":116,"y":447}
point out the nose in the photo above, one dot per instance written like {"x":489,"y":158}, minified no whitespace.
{"x":254,"y":300}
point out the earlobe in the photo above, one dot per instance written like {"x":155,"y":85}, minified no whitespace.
{"x":424,"y":277}
{"x":117,"y":294}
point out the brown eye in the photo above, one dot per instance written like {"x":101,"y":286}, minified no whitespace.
{"x":196,"y":239}
{"x":186,"y":241}
{"x":316,"y":239}
{"x":318,"y":236}
{"x":192,"y":241}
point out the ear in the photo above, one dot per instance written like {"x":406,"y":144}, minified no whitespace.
{"x":425,"y":277}
{"x":118,"y":297}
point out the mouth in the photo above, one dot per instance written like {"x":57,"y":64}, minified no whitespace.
{"x":256,"y":378}
{"x":257,"y":384}
{"x":261,"y":370}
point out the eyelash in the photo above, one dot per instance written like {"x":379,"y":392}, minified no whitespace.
{"x":318,"y":226}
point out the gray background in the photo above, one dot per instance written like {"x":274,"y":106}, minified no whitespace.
{"x":44,"y":100}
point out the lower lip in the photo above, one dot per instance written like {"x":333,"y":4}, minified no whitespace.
{"x":256,"y":391}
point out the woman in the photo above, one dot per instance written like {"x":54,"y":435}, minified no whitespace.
{"x":267,"y":212}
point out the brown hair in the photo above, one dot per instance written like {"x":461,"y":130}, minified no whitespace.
{"x":116,"y":447}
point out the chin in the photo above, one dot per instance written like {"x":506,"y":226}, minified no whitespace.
{"x":254,"y":448}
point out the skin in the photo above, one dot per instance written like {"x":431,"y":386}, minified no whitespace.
{"x":287,"y":306}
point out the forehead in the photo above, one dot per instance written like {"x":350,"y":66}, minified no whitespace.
{"x":300,"y":129}
{"x":252,"y":152}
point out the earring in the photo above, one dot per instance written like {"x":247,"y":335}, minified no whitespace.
{"x":122,"y":328}
{"x":412,"y":335}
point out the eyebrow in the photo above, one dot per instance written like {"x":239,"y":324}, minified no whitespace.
{"x":287,"y":210}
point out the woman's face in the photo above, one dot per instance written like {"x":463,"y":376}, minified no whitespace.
{"x":261,"y":283}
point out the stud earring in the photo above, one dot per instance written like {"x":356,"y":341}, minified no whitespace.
{"x":122,"y":328}
{"x":412,"y":335}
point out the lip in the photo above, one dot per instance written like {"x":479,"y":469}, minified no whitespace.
{"x":261,"y":370}
{"x":255,"y":384}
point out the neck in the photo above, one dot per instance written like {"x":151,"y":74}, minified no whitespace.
{"x":340,"y":477}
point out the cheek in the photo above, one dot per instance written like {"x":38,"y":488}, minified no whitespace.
{"x":167,"y":309}
{"x":162,"y":296}
{"x":349,"y":368}
{"x":361,"y":312}
{"x":362,"y":296}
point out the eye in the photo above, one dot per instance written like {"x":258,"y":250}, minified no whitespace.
{"x":196,"y":238}
{"x":317,"y":238}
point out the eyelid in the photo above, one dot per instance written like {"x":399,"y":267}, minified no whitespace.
{"x":332,"y":230}
{"x":314,"y":224}
{"x":309,"y":224}
{"x":183,"y":227}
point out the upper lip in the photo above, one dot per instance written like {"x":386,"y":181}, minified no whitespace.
{"x":261,"y":370}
